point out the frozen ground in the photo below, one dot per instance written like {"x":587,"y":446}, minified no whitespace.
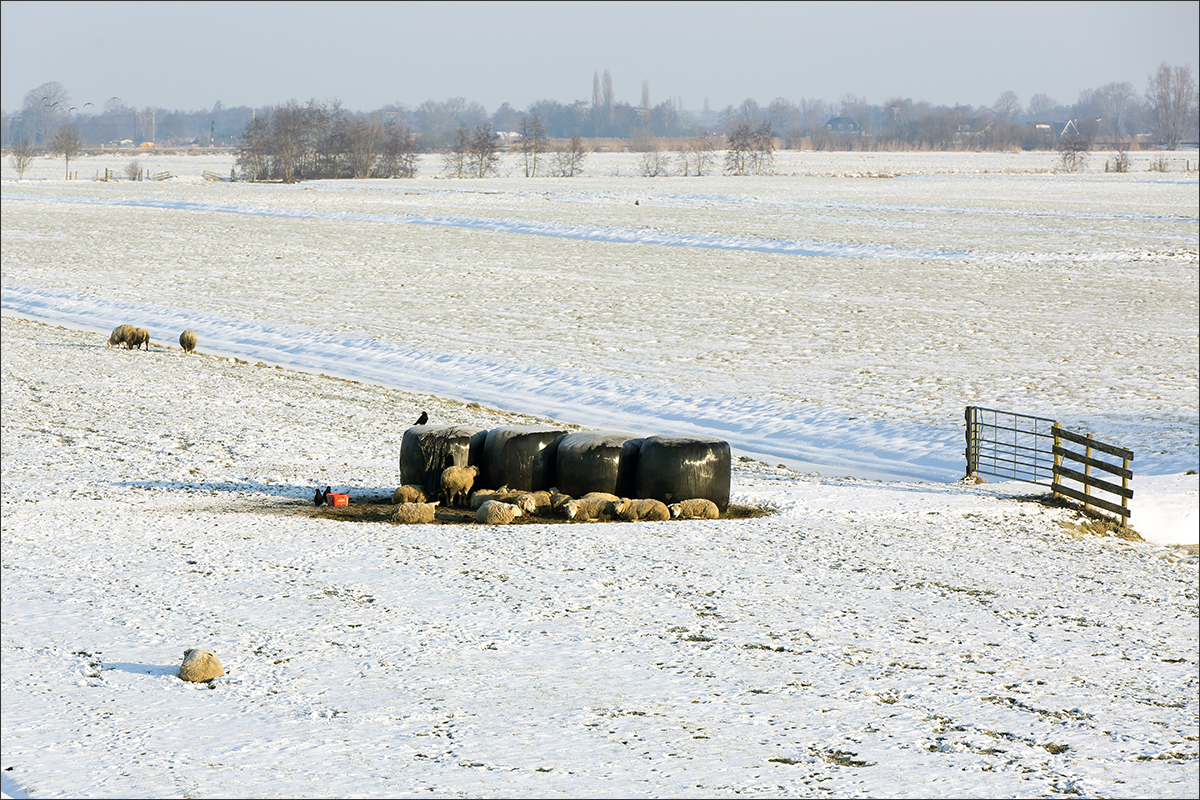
{"x":907,"y":637}
{"x":869,"y":638}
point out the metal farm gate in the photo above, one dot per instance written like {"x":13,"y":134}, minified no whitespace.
{"x":1032,"y":449}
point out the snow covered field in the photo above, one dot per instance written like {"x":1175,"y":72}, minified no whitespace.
{"x":894,"y":633}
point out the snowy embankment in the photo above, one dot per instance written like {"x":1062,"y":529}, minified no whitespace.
{"x":866,"y":639}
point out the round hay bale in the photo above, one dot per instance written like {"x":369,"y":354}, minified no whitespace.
{"x":426,"y":450}
{"x":521,"y":457}
{"x":674,"y":468}
{"x":595,"y":461}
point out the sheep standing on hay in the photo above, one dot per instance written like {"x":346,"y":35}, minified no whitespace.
{"x":408,"y":493}
{"x":696,"y":508}
{"x":496,"y":512}
{"x":200,"y":665}
{"x":414,"y":513}
{"x":590,"y":509}
{"x":642,"y":510}
{"x":140,"y":337}
{"x":187,"y":340}
{"x":457,"y":483}
{"x":120,"y":336}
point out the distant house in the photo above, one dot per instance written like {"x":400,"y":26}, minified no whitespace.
{"x":843,"y":125}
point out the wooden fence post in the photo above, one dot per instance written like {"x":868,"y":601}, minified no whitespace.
{"x":1057,"y":458}
{"x":1087,"y":470}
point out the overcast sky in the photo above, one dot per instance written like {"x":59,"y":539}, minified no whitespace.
{"x":188,"y":56}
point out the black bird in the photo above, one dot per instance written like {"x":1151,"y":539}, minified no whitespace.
{"x":319,"y":497}
{"x":421,"y":420}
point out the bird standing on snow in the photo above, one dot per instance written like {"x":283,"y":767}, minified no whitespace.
{"x":421,"y":420}
{"x":319,"y":497}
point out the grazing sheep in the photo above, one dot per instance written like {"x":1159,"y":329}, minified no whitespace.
{"x":120,"y":336}
{"x":200,"y":665}
{"x":696,"y":508}
{"x":643,"y":510}
{"x":457,"y":483}
{"x":140,"y":337}
{"x":590,"y":509}
{"x":187,"y":340}
{"x":409,"y":493}
{"x":495,"y":512}
{"x":414,"y":513}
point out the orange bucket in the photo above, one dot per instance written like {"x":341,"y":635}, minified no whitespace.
{"x":335,"y":499}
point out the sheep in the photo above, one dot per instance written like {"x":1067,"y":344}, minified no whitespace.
{"x":187,"y":340}
{"x":414,"y":513}
{"x":200,"y":665}
{"x":120,"y":335}
{"x":606,"y":495}
{"x":535,"y":503}
{"x":481,"y":496}
{"x":646,"y":509}
{"x":558,"y":501}
{"x":696,"y":508}
{"x":589,"y":509}
{"x":408,"y":493}
{"x":456,"y":484}
{"x":495,"y":512}
{"x":139,"y":337}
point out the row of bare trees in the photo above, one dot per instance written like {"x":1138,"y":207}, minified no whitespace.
{"x":321,"y":140}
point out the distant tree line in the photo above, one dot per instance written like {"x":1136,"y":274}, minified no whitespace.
{"x":321,"y":139}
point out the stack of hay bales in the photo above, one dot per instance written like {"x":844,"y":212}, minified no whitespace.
{"x":664,"y":468}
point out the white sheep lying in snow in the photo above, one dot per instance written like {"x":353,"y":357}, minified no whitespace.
{"x":696,"y":508}
{"x":457,"y":483}
{"x":200,"y":665}
{"x":414,"y":513}
{"x":497,"y":512}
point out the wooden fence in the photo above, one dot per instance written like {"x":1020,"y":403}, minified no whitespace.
{"x":1032,"y":449}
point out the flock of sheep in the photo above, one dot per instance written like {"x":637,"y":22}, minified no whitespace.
{"x":502,"y":506}
{"x":133,"y":338}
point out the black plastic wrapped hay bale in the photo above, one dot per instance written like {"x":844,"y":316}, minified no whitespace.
{"x":596,"y":461}
{"x":674,"y":468}
{"x":520,"y":457}
{"x":425,"y":449}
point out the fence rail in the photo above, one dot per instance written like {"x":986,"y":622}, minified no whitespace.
{"x":1032,"y":449}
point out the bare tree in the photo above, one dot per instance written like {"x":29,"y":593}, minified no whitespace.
{"x":1073,"y":149}
{"x":1007,"y":107}
{"x":1117,"y":104}
{"x":697,"y":157}
{"x":532,"y":144}
{"x":655,"y":163}
{"x":1172,"y":102}
{"x":43,"y":109}
{"x":133,"y":170}
{"x":399,"y":152}
{"x":484,"y":153}
{"x":21,"y":157}
{"x":454,"y":160}
{"x":67,"y":144}
{"x":1041,"y":105}
{"x":739,"y":142}
{"x":568,"y":159}
{"x":363,"y":148}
